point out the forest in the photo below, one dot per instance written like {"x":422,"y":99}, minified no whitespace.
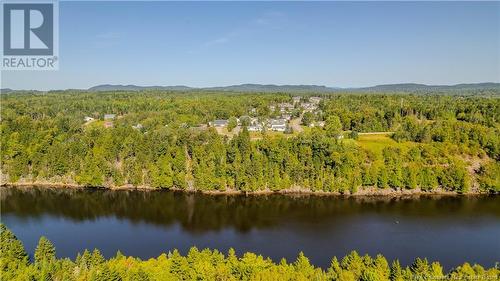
{"x":427,"y":142}
{"x":208,"y":264}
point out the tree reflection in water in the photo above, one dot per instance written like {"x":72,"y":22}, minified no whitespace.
{"x":200,"y":213}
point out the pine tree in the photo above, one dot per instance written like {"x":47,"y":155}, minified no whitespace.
{"x":396,"y":271}
{"x":11,"y":247}
{"x":96,"y":258}
{"x":45,"y":251}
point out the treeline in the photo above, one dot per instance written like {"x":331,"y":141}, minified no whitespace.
{"x":208,"y":161}
{"x":358,"y":112}
{"x":372,"y":113}
{"x":208,"y":264}
{"x":454,"y":131}
{"x":321,"y":163}
{"x":44,"y":138}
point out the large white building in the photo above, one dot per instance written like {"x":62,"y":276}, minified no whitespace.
{"x":109,"y":116}
{"x":278,"y":125}
{"x":219,"y":123}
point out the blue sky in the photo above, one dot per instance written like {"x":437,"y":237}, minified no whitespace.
{"x":343,"y":44}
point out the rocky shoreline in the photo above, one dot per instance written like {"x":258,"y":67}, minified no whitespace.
{"x":366,"y":191}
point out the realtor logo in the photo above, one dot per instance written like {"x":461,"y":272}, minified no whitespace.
{"x":30,"y":35}
{"x":28,"y":29}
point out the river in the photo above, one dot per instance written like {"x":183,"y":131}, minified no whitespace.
{"x":450,"y":229}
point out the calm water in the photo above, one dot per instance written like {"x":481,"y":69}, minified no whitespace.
{"x":145,"y":224}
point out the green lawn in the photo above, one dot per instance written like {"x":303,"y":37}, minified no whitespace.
{"x":377,"y":142}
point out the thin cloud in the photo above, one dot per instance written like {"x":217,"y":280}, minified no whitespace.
{"x":218,"y":41}
{"x":271,"y":19}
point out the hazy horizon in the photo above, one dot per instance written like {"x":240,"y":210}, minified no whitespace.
{"x":242,"y":84}
{"x":335,"y":44}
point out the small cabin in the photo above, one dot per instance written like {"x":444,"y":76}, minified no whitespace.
{"x":219,"y":123}
{"x":108,"y":124}
{"x":109,"y":116}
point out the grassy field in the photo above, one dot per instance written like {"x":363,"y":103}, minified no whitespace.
{"x":377,"y":142}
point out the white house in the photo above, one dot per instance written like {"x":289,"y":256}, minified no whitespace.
{"x":255,"y":128}
{"x":284,"y":107}
{"x":309,"y":106}
{"x":88,"y":119}
{"x":314,"y":100}
{"x":219,"y":123}
{"x":278,"y":125}
{"x":109,"y":116}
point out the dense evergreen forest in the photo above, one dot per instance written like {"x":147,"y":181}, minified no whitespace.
{"x":208,"y":264}
{"x":429,"y":142}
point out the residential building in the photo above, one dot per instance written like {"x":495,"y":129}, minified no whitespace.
{"x":286,"y":106}
{"x":309,"y":106}
{"x":278,"y":125}
{"x":109,"y":116}
{"x":315,"y":100}
{"x":255,"y":128}
{"x":219,"y":123}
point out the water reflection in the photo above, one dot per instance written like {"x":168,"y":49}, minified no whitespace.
{"x":197,"y":212}
{"x":450,"y":229}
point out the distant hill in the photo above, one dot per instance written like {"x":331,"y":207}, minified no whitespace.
{"x":412,"y":87}
{"x":5,"y":90}
{"x":270,"y":88}
{"x":406,"y":87}
{"x":232,"y":88}
{"x":108,"y":87}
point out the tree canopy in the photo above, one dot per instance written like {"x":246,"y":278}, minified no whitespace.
{"x":447,"y":142}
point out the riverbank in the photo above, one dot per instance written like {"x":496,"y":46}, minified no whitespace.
{"x":365,"y":191}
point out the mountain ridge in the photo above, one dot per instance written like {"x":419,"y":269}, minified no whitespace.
{"x":249,"y":87}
